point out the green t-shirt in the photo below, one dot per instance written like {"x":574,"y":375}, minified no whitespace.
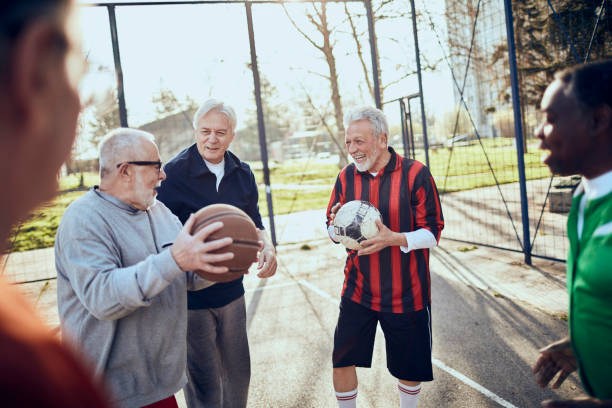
{"x":589,"y":282}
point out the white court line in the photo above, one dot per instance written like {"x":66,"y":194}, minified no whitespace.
{"x":275,"y":285}
{"x":435,"y":361}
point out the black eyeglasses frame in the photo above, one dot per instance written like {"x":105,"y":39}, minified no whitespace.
{"x":157,"y":163}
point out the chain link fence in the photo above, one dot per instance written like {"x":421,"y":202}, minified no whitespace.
{"x":315,"y":64}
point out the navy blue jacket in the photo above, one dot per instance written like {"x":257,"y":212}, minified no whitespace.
{"x":190,"y":186}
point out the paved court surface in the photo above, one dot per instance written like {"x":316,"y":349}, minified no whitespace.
{"x":490,"y":315}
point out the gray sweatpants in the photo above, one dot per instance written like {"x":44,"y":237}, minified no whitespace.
{"x":218,"y":360}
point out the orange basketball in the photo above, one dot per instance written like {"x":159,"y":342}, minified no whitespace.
{"x":236,"y":225}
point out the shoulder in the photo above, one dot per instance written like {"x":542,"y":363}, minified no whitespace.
{"x":81,"y":207}
{"x":415,"y":167}
{"x":243,"y":167}
{"x":84,"y":215}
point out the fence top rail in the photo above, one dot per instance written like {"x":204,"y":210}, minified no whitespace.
{"x":411,"y":96}
{"x":183,"y":2}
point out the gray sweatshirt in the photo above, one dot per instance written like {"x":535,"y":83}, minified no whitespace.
{"x":122,"y":297}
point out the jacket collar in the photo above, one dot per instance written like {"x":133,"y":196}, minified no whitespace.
{"x":197,"y":166}
{"x":122,"y":205}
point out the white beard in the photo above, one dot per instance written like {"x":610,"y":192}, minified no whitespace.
{"x":366,"y":165}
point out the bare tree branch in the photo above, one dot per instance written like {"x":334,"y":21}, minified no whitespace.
{"x":318,"y":74}
{"x":323,"y":121}
{"x":310,"y":40}
{"x":359,"y":50}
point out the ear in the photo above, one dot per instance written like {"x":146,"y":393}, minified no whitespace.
{"x":383,"y":138}
{"x":32,"y":64}
{"x":602,"y":119}
{"x":125,"y":171}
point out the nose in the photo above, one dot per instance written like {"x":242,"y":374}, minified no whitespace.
{"x":539,"y":131}
{"x":162,"y":174}
{"x":351,"y":148}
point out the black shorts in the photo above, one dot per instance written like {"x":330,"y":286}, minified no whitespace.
{"x":407,"y":340}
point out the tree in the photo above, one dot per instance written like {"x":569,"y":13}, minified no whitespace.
{"x":105,"y":117}
{"x":382,"y":10}
{"x":275,"y":121}
{"x":318,"y":18}
{"x":542,"y":45}
{"x":166,"y":103}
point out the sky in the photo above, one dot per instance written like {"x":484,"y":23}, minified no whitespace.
{"x":199,"y":51}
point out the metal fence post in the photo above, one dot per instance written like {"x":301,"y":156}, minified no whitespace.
{"x":404,"y":130}
{"x":373,"y":52}
{"x":260,"y":122}
{"x":518,"y":130}
{"x":418,"y":64}
{"x":118,"y":70}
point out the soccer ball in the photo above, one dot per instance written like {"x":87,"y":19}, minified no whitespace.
{"x":355,"y":222}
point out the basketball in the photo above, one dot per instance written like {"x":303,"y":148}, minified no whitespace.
{"x":355,"y":222}
{"x":236,"y":225}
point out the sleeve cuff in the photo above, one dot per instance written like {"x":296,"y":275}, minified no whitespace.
{"x":168,"y":267}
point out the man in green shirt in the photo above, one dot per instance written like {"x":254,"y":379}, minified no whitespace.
{"x":577,"y":131}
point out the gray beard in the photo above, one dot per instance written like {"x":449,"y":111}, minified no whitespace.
{"x":368,"y":163}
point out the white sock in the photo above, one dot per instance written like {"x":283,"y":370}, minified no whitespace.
{"x":409,"y":396}
{"x":347,"y":399}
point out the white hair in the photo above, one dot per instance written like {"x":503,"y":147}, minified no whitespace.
{"x":376,"y":117}
{"x":218,"y":106}
{"x":120,"y":145}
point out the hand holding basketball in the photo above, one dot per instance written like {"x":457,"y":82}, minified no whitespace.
{"x":266,"y":259}
{"x":236,"y":225}
{"x":191,"y":252}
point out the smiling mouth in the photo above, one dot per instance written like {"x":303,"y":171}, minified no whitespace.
{"x":359,"y":157}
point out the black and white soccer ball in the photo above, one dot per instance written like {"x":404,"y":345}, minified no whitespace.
{"x":355,"y":222}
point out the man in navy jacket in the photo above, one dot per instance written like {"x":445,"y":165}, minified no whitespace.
{"x":218,"y":361}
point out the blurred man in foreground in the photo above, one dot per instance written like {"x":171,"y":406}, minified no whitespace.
{"x":577,"y":131}
{"x":40,"y":66}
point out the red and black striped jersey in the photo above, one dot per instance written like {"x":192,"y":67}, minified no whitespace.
{"x":406,"y":196}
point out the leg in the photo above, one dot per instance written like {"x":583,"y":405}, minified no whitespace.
{"x":345,"y":379}
{"x":353,"y":346}
{"x":345,"y":385}
{"x":233,"y":345}
{"x":203,"y":366}
{"x":408,"y":344}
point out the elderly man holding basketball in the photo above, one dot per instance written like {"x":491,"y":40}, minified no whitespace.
{"x":387,"y":279}
{"x":122,"y":260}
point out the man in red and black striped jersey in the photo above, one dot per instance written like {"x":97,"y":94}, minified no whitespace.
{"x":387,"y":280}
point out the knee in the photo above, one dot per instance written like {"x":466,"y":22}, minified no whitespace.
{"x":343,"y":371}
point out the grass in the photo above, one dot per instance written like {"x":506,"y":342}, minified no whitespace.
{"x":38,"y":231}
{"x":301,"y":185}
{"x":73,"y":181}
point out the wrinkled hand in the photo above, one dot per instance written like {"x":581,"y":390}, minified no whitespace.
{"x":383,"y":239}
{"x":191,"y":252}
{"x":333,"y":211}
{"x":578,"y":403}
{"x":266,"y":261}
{"x":555,"y":358}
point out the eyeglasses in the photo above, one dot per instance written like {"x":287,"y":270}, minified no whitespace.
{"x":157,"y":163}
